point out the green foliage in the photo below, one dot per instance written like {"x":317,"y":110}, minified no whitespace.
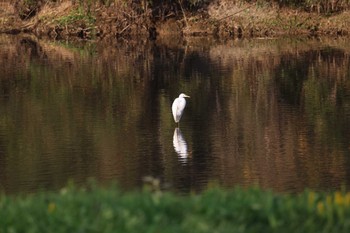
{"x":76,"y":15}
{"x":110,"y":210}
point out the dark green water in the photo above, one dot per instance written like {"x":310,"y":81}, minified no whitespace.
{"x":274,"y":113}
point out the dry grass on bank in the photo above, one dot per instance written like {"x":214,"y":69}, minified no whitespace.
{"x":65,"y":19}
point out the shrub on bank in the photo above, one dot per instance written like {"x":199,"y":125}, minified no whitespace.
{"x":215,"y":210}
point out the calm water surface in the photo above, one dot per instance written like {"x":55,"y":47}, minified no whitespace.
{"x":273,"y":113}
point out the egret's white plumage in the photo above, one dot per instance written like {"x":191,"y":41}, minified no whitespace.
{"x":178,"y":107}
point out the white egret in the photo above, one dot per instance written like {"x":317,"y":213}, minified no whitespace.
{"x":178,"y":107}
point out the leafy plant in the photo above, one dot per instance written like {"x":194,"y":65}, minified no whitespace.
{"x":95,"y":209}
{"x":76,"y":15}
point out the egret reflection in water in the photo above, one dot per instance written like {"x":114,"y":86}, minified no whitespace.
{"x":180,"y":145}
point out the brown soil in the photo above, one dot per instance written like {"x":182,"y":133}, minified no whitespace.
{"x":221,"y":18}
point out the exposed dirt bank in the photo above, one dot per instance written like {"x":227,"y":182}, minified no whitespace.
{"x":221,"y":18}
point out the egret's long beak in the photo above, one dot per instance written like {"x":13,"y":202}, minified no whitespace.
{"x":187,"y":96}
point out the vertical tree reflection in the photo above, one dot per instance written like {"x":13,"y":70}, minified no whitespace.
{"x":267,"y":112}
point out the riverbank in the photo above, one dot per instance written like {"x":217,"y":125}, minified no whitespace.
{"x":225,"y":19}
{"x":106,"y":210}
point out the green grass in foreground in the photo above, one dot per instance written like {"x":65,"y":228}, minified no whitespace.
{"x":215,"y":210}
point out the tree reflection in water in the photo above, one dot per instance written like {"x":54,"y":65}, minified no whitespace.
{"x":267,"y":112}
